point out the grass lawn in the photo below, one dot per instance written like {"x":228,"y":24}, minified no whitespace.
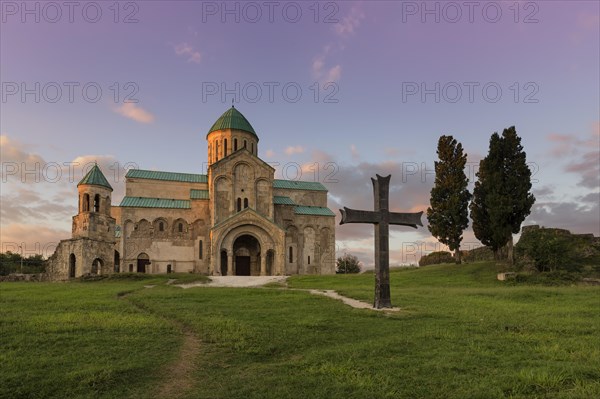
{"x":460,"y":334}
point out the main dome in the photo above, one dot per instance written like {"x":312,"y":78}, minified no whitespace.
{"x":232,"y":119}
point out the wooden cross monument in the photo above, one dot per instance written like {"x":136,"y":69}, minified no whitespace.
{"x":381,"y":217}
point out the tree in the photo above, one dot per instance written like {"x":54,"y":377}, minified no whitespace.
{"x":501,"y":197}
{"x":348,"y":264}
{"x":448,"y":214}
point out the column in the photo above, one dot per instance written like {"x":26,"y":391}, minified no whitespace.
{"x":263,"y":265}
{"x":229,"y":264}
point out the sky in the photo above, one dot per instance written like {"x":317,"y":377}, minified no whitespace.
{"x":336,"y":91}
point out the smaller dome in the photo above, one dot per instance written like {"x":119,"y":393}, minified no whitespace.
{"x":95,"y":177}
{"x":232,"y":119}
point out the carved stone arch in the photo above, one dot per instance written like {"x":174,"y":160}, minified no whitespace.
{"x":264,"y":196}
{"x":291,"y":249}
{"x":180,"y":227}
{"x":142,"y":228}
{"x":161,"y":227}
{"x":243,"y":172}
{"x":128,"y":228}
{"x":97,"y":265}
{"x":309,"y":248}
{"x":327,"y":245}
{"x":222,"y":205}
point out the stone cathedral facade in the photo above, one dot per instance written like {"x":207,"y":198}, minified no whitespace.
{"x":235,"y":220}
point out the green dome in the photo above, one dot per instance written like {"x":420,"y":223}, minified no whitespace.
{"x":232,"y":119}
{"x":95,"y":177}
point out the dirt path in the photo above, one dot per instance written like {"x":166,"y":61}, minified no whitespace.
{"x":355,"y":303}
{"x":178,"y":376}
{"x":236,"y":281}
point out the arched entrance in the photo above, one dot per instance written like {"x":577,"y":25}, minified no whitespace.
{"x":246,"y":250}
{"x":223,"y":263}
{"x":270,"y":261}
{"x":72,"y":265}
{"x":117,"y":261}
{"x":142,"y":261}
{"x":97,"y":266}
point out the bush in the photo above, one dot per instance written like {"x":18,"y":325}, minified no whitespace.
{"x":547,"y":250}
{"x":348,"y":264}
{"x":435,"y":258}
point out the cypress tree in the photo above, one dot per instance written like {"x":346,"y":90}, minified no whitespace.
{"x":448,"y":211}
{"x":501,"y":197}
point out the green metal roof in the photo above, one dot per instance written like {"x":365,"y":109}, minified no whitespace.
{"x":299,"y":185}
{"x":169,"y":176}
{"x":118,"y":231}
{"x":143,"y":202}
{"x":95,"y":177}
{"x":199,"y":194}
{"x":232,"y":119}
{"x":281,"y":200}
{"x":313,"y":211}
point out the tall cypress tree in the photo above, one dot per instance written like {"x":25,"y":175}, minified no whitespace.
{"x":448,"y":213}
{"x":501,"y":197}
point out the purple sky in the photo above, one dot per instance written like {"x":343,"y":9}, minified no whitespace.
{"x":337,"y":91}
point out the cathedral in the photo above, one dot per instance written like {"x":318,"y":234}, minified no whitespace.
{"x":235,"y":220}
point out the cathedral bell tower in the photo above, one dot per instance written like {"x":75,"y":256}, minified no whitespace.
{"x":93,"y":219}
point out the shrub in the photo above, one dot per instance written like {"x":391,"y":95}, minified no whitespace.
{"x":547,"y":250}
{"x":348,"y":264}
{"x":436,"y":258}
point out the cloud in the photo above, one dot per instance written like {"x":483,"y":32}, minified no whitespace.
{"x":588,"y":168}
{"x":186,"y":50}
{"x":578,"y":217}
{"x":583,"y":152}
{"x":325,"y":74}
{"x":138,"y":114}
{"x":291,"y":150}
{"x":35,"y":239}
{"x":17,"y":160}
{"x":39,"y":197}
{"x":350,"y":22}
{"x":270,"y":154}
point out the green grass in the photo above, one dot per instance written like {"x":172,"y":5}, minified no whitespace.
{"x":460,"y":334}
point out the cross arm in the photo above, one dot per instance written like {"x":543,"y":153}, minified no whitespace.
{"x":406,"y":219}
{"x":354,"y":216}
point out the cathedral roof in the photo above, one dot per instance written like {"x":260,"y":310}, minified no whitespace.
{"x":168,"y":176}
{"x":232,"y":119}
{"x":95,"y":177}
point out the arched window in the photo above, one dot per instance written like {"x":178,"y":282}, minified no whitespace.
{"x":180,"y":227}
{"x":200,"y":250}
{"x":245,"y":203}
{"x":86,"y":203}
{"x":252,"y":147}
{"x":309,"y":259}
{"x":216,"y":150}
{"x":161,"y":226}
{"x":239,"y":204}
{"x":225,"y":147}
{"x":291,"y":255}
{"x":97,"y":203}
{"x":234,"y":144}
{"x":245,"y":144}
